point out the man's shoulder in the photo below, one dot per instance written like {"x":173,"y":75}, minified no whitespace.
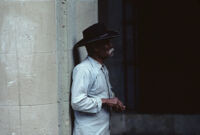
{"x":84,"y":66}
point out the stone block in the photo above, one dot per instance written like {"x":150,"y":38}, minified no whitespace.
{"x":9,"y":120}
{"x":39,"y":120}
{"x":187,"y":124}
{"x":9,"y":90}
{"x":38,"y":78}
{"x":29,"y":26}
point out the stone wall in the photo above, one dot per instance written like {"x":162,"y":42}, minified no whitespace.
{"x":154,"y":124}
{"x":72,"y":18}
{"x":28,"y":84}
{"x":36,"y":60}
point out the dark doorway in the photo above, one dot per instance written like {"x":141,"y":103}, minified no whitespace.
{"x":169,"y":55}
{"x":157,"y":61}
{"x":121,"y":15}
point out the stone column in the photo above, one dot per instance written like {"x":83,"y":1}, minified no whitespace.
{"x":73,"y":16}
{"x":28,"y":71}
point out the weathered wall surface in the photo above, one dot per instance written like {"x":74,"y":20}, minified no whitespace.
{"x":149,"y":124}
{"x":36,"y":60}
{"x":28,"y":83}
{"x":72,"y":16}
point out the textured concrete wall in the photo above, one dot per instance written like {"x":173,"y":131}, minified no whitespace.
{"x":72,"y":16}
{"x":36,"y":60}
{"x":84,"y":13}
{"x":28,"y":74}
{"x":65,"y":63}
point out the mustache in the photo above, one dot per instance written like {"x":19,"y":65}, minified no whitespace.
{"x":111,"y":51}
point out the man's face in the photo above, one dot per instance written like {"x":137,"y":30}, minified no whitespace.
{"x":105,"y":49}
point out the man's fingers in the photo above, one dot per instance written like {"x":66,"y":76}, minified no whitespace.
{"x":116,"y":103}
{"x":121,"y":104}
{"x":122,"y":107}
{"x":113,"y":100}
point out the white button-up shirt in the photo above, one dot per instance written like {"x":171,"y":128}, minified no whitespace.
{"x":90,"y":84}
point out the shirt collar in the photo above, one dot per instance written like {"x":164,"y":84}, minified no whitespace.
{"x":95,"y":63}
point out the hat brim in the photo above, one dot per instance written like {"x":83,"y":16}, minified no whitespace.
{"x":107,"y":35}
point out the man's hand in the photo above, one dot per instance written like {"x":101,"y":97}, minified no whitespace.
{"x":115,"y":103}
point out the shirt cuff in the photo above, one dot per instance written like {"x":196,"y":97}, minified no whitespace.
{"x":112,"y":94}
{"x":99,"y":104}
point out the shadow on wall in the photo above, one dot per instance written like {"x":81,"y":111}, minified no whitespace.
{"x":76,"y":56}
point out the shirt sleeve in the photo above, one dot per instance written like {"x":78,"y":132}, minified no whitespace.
{"x":79,"y":98}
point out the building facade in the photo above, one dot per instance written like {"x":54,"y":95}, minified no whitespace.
{"x":37,"y":58}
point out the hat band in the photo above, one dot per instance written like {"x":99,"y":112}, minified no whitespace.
{"x":103,"y":35}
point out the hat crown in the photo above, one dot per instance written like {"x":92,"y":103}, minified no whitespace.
{"x":95,"y":30}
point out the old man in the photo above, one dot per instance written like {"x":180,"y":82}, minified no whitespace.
{"x":91,"y":94}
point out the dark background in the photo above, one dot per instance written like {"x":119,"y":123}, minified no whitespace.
{"x":156,"y":65}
